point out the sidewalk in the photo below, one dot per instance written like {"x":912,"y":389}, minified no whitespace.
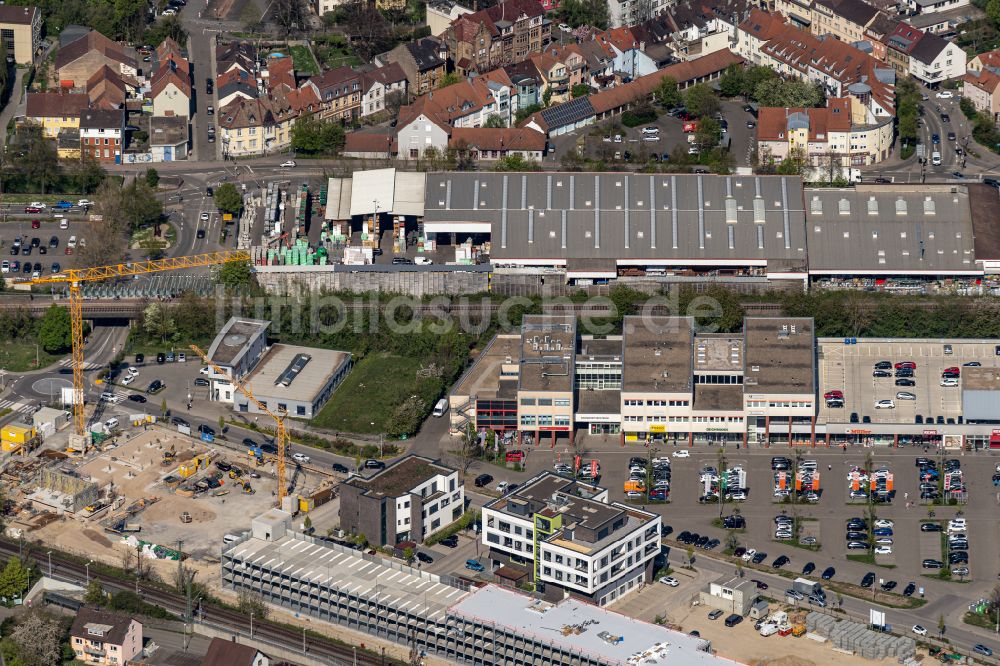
{"x":13,"y":104}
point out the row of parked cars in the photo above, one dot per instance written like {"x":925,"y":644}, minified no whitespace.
{"x":958,"y":547}
{"x":881,"y":535}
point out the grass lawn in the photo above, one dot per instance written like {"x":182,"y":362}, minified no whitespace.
{"x":376,"y":385}
{"x":334,"y":51}
{"x":303,"y":60}
{"x":20,"y":356}
{"x":977,"y":620}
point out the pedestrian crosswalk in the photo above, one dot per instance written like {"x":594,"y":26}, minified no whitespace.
{"x":66,"y":362}
{"x":16,"y":407}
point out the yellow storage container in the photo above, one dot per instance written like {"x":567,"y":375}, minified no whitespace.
{"x":187,"y":469}
{"x":17,"y":433}
{"x":306,"y":504}
{"x":9,"y":447}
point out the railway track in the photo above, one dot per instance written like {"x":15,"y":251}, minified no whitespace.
{"x":210,"y":615}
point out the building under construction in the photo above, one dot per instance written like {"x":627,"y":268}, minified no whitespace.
{"x":62,"y":491}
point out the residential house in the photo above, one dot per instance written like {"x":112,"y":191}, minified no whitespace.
{"x":468,"y":103}
{"x":554,"y":77}
{"x":982,"y":88}
{"x":766,"y":40}
{"x":168,"y":138}
{"x":630,"y":60}
{"x":526,"y":87}
{"x":417,"y":131}
{"x":235,"y":84}
{"x":370,"y":145}
{"x":441,"y":14}
{"x":826,"y":136}
{"x":99,"y":637}
{"x":80,"y":59}
{"x":264,"y":125}
{"x":631,"y":12}
{"x":877,"y":31}
{"x":55,"y":111}
{"x":927,"y":57}
{"x":990,"y":59}
{"x":21,"y":32}
{"x":230,"y":653}
{"x":171,"y":82}
{"x":279,"y":71}
{"x":410,"y":500}
{"x":505,"y":33}
{"x":489,"y":144}
{"x":691,"y":29}
{"x":102,"y":134}
{"x":934,"y":6}
{"x":844,"y":19}
{"x":380,"y":83}
{"x":425,"y":62}
{"x":235,"y":55}
{"x":797,"y":12}
{"x":339,"y":91}
{"x":107,"y":89}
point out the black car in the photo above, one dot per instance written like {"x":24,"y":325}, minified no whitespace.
{"x":178,"y":421}
{"x":200,"y":233}
{"x":711,"y":545}
{"x":883,"y":365}
{"x":958,"y":557}
{"x":135,"y":397}
{"x":828,"y":573}
{"x":881,"y":374}
{"x":734,"y":620}
{"x":889,"y":586}
{"x":909,"y":589}
{"x":759,"y":557}
{"x":739,"y":552}
{"x":932,"y":564}
{"x":734,"y":522}
{"x":682,"y":537}
{"x":450,"y":541}
{"x":868,"y":580}
{"x":140,"y":359}
{"x":154,"y":386}
{"x":857,"y":524}
{"x":161,"y":358}
{"x":905,"y":381}
{"x":808,"y":568}
{"x":700,"y":543}
{"x":666,"y":530}
{"x":856,"y":536}
{"x":337,"y":467}
{"x":206,"y":430}
{"x":424,"y":557}
{"x":54,"y":242}
{"x":483,"y":480}
{"x":692,"y":538}
{"x":371,"y":463}
{"x":780,"y":562}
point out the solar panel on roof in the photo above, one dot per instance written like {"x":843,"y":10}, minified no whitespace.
{"x":569,"y":112}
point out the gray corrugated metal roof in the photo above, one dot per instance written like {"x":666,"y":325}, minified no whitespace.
{"x":626,"y":216}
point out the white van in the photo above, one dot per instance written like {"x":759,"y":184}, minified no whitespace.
{"x":230,"y":538}
{"x":441,"y":407}
{"x":936,"y":158}
{"x":111,"y":424}
{"x":768,"y":629}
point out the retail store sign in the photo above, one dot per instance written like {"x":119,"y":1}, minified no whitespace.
{"x":859,"y":431}
{"x":928,"y":433}
{"x":657,"y":428}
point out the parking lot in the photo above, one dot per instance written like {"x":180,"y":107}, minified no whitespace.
{"x":849,"y":368}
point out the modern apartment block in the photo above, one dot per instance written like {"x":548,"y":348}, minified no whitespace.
{"x":409,"y":500}
{"x":571,"y":539}
{"x":660,"y":381}
{"x":459,"y":624}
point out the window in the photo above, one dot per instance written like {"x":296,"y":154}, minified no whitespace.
{"x":300,"y":410}
{"x":528,"y":402}
{"x":561,"y":402}
{"x":545,"y":402}
{"x":282,"y":407}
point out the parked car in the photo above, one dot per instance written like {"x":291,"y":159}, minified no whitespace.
{"x":474,"y":565}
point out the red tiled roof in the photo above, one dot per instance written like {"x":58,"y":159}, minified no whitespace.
{"x":985,"y":80}
{"x":772,"y":122}
{"x":280,"y":72}
{"x":990,"y":58}
{"x":446,"y":104}
{"x":93,"y":41}
{"x":367,"y":142}
{"x":503,"y":138}
{"x":55,"y":104}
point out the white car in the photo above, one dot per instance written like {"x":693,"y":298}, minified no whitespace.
{"x":618,"y":138}
{"x":738,"y":497}
{"x":651,"y":138}
{"x":747,"y":556}
{"x":949,"y":381}
{"x":37,"y":204}
{"x":565,"y":28}
{"x":650,"y":130}
{"x":502,"y":487}
{"x":885,"y":404}
{"x":692,"y":150}
{"x":132,"y":371}
{"x":882,"y":522}
{"x":181,"y":357}
{"x":423,"y":261}
{"x":884,"y":541}
{"x":128,"y":379}
{"x":84,"y":202}
{"x":111,"y":397}
{"x":300,"y":457}
{"x":883,"y":550}
{"x":204,"y":217}
{"x":289,"y":163}
{"x":684,"y":453}
{"x":956,"y":525}
{"x":669,"y":580}
{"x":64,"y":224}
{"x":918,"y":630}
{"x":71,"y":242}
{"x":945,"y":94}
{"x":905,"y":395}
{"x":205,"y":370}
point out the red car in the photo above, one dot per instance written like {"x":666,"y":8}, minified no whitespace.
{"x":833,"y":394}
{"x":32,"y":209}
{"x":36,"y":224}
{"x":950,"y":371}
{"x":906,"y":364}
{"x":515,"y":456}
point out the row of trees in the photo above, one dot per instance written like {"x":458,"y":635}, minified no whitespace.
{"x":766,"y":87}
{"x":31,"y":164}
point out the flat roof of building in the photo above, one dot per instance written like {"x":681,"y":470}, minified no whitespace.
{"x":718,"y":397}
{"x":401,"y":476}
{"x":600,"y":349}
{"x":985,"y":204}
{"x":657,"y":354}
{"x":548,"y":346}
{"x":668,"y":217}
{"x":576,"y":626}
{"x":980,"y":379}
{"x":482,"y":378}
{"x":234,"y":338}
{"x":598,"y":402}
{"x":887,"y":230}
{"x":718,"y":353}
{"x":307,"y":384}
{"x":340,"y":568}
{"x":779,"y":355}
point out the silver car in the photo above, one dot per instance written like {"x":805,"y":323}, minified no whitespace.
{"x":905,"y":395}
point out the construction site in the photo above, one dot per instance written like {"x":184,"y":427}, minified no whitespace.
{"x":159,"y":491}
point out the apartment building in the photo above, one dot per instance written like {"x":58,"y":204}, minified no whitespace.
{"x":844,"y":19}
{"x":983,"y":90}
{"x":99,"y":637}
{"x":545,"y":376}
{"x":425,"y":62}
{"x":571,"y":539}
{"x":102,"y":134}
{"x":21,"y":32}
{"x":237,"y":349}
{"x":506,"y":33}
{"x":927,"y":57}
{"x":410,"y":500}
{"x":339,"y":91}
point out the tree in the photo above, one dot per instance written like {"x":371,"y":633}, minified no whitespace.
{"x":993,"y":11}
{"x":14,"y":579}
{"x":40,"y":161}
{"x":228,"y":199}
{"x":732,"y":83}
{"x":152,"y":177}
{"x":367,"y":30}
{"x":39,"y":639}
{"x":667,"y":93}
{"x":88,"y":173}
{"x":580,"y":90}
{"x":307,"y":523}
{"x":468,"y":450}
{"x":55,"y":331}
{"x":701,"y":100}
{"x":289,"y":15}
{"x":449,"y":79}
{"x":406,"y":417}
{"x":707,"y":135}
{"x":794,"y":93}
{"x":408,"y":554}
{"x":107,"y":228}
{"x":235,"y":275}
{"x":495,"y":120}
{"x":248,"y":601}
{"x":139,"y":205}
{"x":593,"y":13}
{"x":95,"y":593}
{"x":158,"y":323}
{"x":941,"y":625}
{"x":516,"y":163}
{"x":166,"y":26}
{"x":313,"y":136}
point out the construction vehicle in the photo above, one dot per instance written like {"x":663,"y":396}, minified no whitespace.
{"x":247,"y":488}
{"x":185,"y":517}
{"x":281,"y":436}
{"x":75,"y":277}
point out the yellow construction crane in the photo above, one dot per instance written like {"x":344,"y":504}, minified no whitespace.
{"x":77,"y":276}
{"x":281,"y":436}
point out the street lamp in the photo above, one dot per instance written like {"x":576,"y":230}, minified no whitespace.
{"x":50,"y":563}
{"x":87,"y":565}
{"x":251,"y":625}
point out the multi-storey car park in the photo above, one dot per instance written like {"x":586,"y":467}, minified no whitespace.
{"x":517,"y":232}
{"x":662,"y":380}
{"x":446,"y":617}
